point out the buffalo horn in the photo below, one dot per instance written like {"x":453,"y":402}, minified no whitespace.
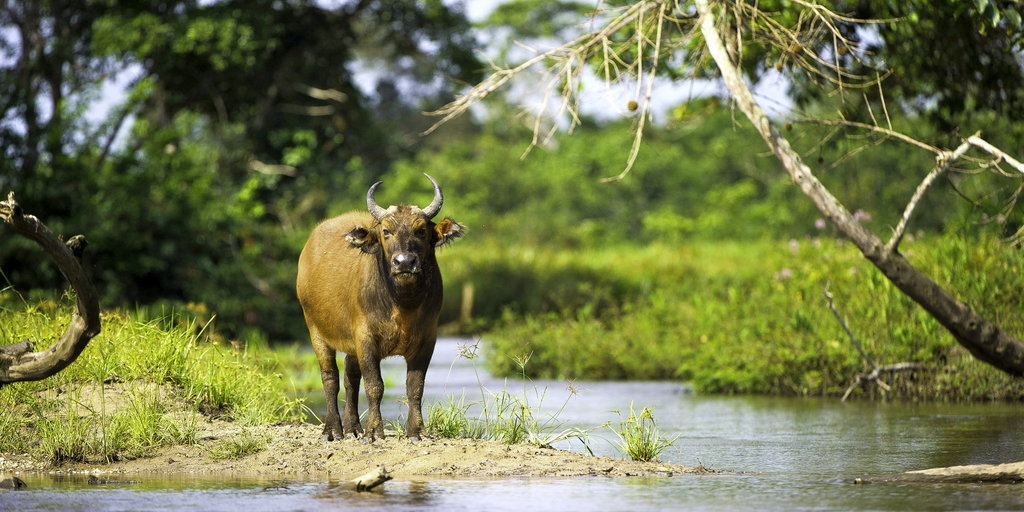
{"x":435,"y":206}
{"x":371,"y":205}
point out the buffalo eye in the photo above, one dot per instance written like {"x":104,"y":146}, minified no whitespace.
{"x":386,"y":231}
{"x":420,"y":231}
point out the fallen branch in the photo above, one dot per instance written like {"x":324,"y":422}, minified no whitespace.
{"x":876,"y":371}
{"x":372,"y":479}
{"x":18,"y":362}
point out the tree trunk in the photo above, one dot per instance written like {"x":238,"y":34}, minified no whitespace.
{"x":980,"y":336}
{"x":18,"y":362}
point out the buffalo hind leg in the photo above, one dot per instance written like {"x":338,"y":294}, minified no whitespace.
{"x":329,"y":376}
{"x":350,"y":422}
{"x":416,"y":373}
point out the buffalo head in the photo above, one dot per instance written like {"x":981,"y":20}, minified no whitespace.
{"x":405,"y":235}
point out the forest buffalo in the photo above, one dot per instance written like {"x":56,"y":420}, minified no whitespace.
{"x":370,"y":287}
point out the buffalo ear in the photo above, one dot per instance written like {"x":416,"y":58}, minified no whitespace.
{"x":363,"y":238}
{"x":448,"y":230}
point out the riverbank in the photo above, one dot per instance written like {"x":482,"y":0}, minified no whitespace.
{"x":295,"y":449}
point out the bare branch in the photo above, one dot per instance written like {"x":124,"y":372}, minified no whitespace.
{"x":874,"y":128}
{"x":998,"y":153}
{"x":849,"y":333}
{"x":18,"y":362}
{"x":942,"y":163}
{"x":322,"y":94}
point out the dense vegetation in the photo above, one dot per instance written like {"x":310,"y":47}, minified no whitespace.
{"x":244,"y":125}
{"x":752,"y":317}
{"x":166,"y":372}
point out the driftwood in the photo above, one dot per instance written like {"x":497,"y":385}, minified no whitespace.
{"x":18,"y":362}
{"x":372,"y":479}
{"x":876,"y":371}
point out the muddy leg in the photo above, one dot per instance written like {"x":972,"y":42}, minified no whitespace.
{"x":370,"y":366}
{"x":352,"y":376}
{"x":416,"y":372}
{"x":329,"y":376}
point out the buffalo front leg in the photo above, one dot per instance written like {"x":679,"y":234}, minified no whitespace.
{"x":369,"y":364}
{"x":415,"y":375}
{"x":350,"y":422}
{"x":329,"y":377}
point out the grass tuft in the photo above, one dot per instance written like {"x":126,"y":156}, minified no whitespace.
{"x":245,"y":443}
{"x":639,"y":437}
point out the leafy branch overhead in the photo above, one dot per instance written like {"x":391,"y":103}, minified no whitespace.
{"x":821,"y":52}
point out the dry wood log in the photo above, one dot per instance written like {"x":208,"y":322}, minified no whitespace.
{"x":372,"y":479}
{"x":18,"y":362}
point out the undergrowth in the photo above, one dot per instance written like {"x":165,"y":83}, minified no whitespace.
{"x":751,"y":317}
{"x":139,"y":385}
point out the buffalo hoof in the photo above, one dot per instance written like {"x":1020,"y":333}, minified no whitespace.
{"x":332,"y":429}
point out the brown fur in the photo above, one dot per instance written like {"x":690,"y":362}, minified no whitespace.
{"x":357,"y":300}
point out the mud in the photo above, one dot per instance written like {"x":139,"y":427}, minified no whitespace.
{"x":296,"y":449}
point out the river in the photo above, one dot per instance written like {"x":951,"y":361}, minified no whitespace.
{"x":779,"y":454}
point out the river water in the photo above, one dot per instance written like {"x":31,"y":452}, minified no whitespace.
{"x":780,"y":454}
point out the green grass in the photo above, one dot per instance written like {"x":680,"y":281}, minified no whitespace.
{"x":505,"y":416}
{"x":160,"y":377}
{"x":238,"y":446}
{"x":731,"y":317}
{"x":638,"y":436}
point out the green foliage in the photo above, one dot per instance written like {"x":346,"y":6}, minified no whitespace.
{"x":639,"y":437}
{"x":77,"y":415}
{"x":751,"y":318}
{"x":239,"y":122}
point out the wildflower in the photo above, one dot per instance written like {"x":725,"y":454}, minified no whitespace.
{"x":784,"y":274}
{"x":861,"y":216}
{"x":819,"y":224}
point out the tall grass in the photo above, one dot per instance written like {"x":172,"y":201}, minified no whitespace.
{"x":505,"y":416}
{"x":750,"y":317}
{"x":164,"y":373}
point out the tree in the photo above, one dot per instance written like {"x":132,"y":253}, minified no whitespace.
{"x":241,"y":122}
{"x":633,"y":41}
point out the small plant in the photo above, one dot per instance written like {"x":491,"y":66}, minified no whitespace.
{"x":65,"y":437}
{"x":639,"y":437}
{"x":448,"y":419}
{"x":239,"y":446}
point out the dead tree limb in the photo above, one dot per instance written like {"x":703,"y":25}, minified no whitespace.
{"x":372,"y":479}
{"x":18,"y":362}
{"x":876,"y":371}
{"x":942,"y":162}
{"x":983,"y":338}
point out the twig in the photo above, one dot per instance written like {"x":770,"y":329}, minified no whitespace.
{"x":983,"y":144}
{"x":856,"y":342}
{"x":876,"y":371}
{"x":865,"y":126}
{"x":942,"y":163}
